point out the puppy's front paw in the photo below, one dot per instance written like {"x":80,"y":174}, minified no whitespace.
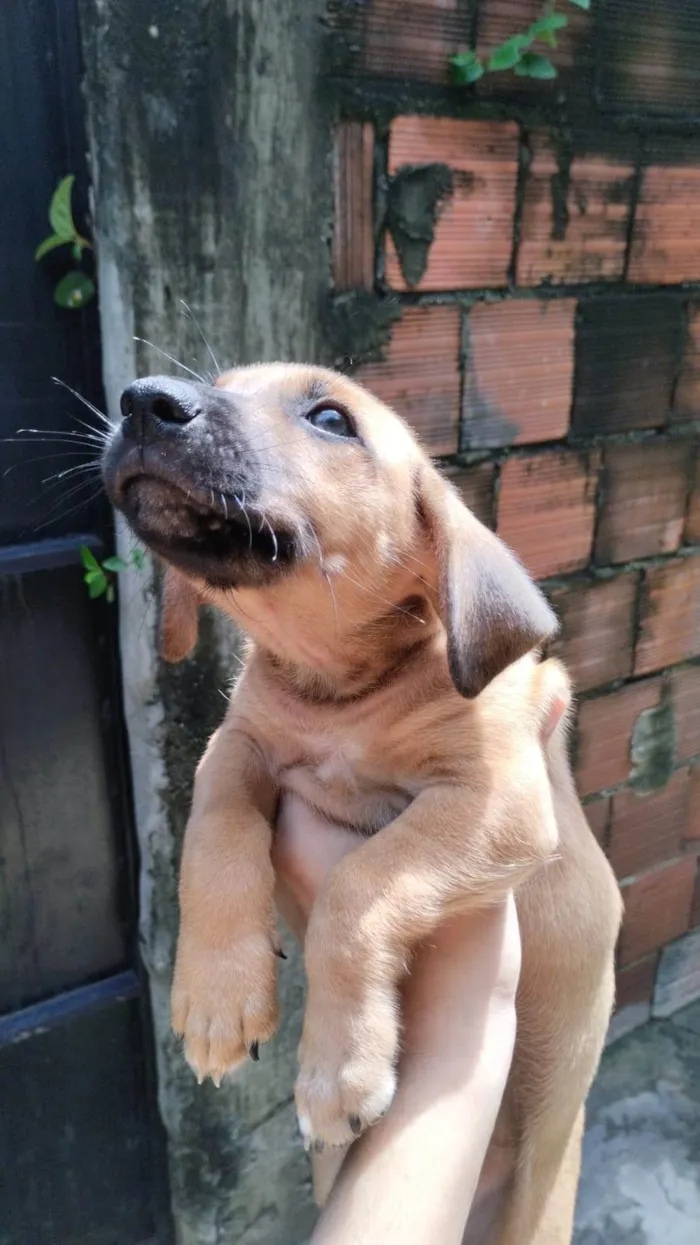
{"x":224,"y":1002}
{"x":347,"y":1076}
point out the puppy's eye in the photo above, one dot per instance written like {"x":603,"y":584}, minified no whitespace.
{"x":330,"y":419}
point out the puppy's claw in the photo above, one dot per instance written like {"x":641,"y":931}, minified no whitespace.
{"x":280,"y":953}
{"x":254,"y":1051}
{"x":355,"y":1124}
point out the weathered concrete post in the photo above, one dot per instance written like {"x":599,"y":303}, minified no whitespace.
{"x":210,"y":151}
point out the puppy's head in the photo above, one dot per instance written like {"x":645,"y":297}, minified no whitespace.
{"x":299,"y":503}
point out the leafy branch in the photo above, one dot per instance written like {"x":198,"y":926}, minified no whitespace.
{"x":100,"y":577}
{"x":75,"y":288}
{"x":516,"y":52}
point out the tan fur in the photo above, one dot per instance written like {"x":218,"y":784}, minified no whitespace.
{"x":393,"y":684}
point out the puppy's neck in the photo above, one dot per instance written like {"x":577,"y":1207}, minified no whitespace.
{"x":339,"y":636}
{"x":371,"y":659}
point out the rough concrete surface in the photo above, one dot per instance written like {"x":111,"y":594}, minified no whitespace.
{"x":641,"y":1173}
{"x":211,"y":150}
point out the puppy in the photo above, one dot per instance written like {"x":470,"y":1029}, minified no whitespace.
{"x":392,"y":682}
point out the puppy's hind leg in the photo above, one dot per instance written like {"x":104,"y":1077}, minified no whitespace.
{"x":541,"y":1208}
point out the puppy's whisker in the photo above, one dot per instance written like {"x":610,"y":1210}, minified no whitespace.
{"x":70,"y":493}
{"x":85,"y":401}
{"x":84,"y":501}
{"x":190,"y":313}
{"x":43,"y":458}
{"x":385,"y":600}
{"x":334,"y":602}
{"x":64,"y":434}
{"x":275,"y":445}
{"x":246,"y":516}
{"x":96,"y":432}
{"x":274,"y":539}
{"x":225,"y":506}
{"x":232,"y":592}
{"x":171,"y":358}
{"x":71,"y":471}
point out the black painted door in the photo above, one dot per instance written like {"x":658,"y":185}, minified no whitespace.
{"x":81,"y":1152}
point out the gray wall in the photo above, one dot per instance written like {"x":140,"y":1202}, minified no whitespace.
{"x":211,"y":164}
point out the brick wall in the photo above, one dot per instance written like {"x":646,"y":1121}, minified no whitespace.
{"x":517,"y":271}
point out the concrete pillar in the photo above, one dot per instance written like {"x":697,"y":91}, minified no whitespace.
{"x":211,"y":162}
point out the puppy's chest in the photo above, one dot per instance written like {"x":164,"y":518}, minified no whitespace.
{"x":346,"y":779}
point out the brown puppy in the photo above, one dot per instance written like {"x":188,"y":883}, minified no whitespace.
{"x":392,"y":684}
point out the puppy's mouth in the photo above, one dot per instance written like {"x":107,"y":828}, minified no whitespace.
{"x":215,"y":535}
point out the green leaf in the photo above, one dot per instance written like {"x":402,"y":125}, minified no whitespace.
{"x":49,"y":244}
{"x":114,"y":564}
{"x":77,"y":250}
{"x":88,"y":559}
{"x":97,"y":587}
{"x":462,"y":59}
{"x":60,"y":210}
{"x":533,"y":65}
{"x":549,"y":38}
{"x":110,"y":593}
{"x":581,"y":4}
{"x":91,"y":577}
{"x":74,"y":290}
{"x":466,"y":68}
{"x":138,"y":558}
{"x":545,"y":25}
{"x":507,"y":54}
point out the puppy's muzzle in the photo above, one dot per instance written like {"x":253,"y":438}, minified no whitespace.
{"x":184,"y":471}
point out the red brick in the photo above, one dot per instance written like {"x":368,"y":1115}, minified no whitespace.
{"x":657,"y":908}
{"x":420,"y":376}
{"x":647,"y":58}
{"x":473,"y":235}
{"x":605,"y":727}
{"x":666,"y":236}
{"x":627,"y":353}
{"x":596,"y":629}
{"x":685,"y":695}
{"x":546,"y":510}
{"x":353,"y":237}
{"x":476,"y":486}
{"x":404,"y":39}
{"x":635,"y":984}
{"x":519,"y":372}
{"x":670,"y":616}
{"x":408,"y":38}
{"x":686,"y":403}
{"x":591,"y":243}
{"x":692,"y":523}
{"x":693,"y":826}
{"x":598,"y":818}
{"x":645,"y":830}
{"x":644,"y":497}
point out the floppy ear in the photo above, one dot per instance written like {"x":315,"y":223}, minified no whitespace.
{"x":179,"y":616}
{"x":490,"y":608}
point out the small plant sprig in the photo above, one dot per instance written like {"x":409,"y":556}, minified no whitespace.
{"x":76,"y":288}
{"x":516,"y":52}
{"x":100,"y":576}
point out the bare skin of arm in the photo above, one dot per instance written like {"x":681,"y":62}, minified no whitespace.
{"x":411,"y":1179}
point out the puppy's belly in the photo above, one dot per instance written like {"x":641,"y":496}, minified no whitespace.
{"x":365,"y":809}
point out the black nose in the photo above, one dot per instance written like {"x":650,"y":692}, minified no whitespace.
{"x":149,"y":406}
